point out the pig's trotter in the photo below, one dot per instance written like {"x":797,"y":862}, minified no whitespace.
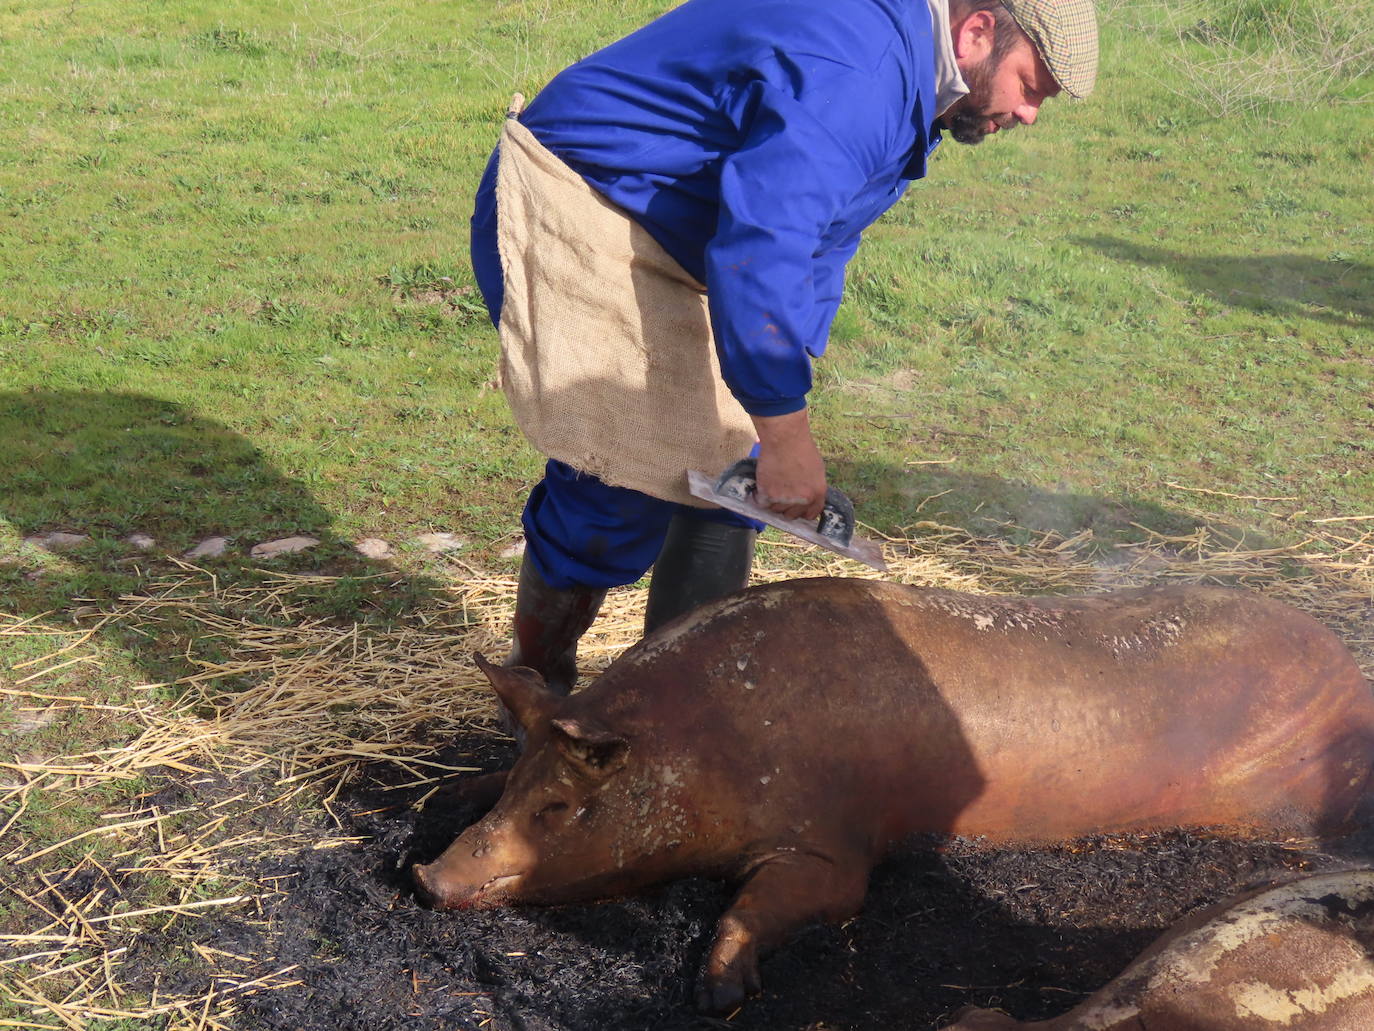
{"x":731,"y":973}
{"x":785,"y":892}
{"x":971,"y":1018}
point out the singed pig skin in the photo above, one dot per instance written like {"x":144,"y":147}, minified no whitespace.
{"x":787,"y":735}
{"x":1296,"y":957}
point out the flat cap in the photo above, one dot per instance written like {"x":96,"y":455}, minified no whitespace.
{"x":1065,"y":33}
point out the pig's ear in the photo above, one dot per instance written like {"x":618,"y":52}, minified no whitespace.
{"x":596,"y":750}
{"x":521,"y":690}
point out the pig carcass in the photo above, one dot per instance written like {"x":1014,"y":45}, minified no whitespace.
{"x":787,"y":735}
{"x":1297,"y":957}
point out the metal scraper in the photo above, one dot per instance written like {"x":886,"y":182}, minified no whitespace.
{"x":736,"y":489}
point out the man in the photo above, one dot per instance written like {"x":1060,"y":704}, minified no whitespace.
{"x":735,"y":148}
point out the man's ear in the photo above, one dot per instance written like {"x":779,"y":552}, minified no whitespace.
{"x":973,"y":38}
{"x":593,"y":749}
{"x":521,"y":690}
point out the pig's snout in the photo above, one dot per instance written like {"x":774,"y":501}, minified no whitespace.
{"x":427,"y":888}
{"x":488,"y":865}
{"x":440,"y":886}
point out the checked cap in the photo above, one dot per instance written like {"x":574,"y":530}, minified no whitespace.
{"x":1065,"y":33}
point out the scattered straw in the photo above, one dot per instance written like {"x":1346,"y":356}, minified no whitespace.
{"x":307,"y":704}
{"x":1227,"y":494}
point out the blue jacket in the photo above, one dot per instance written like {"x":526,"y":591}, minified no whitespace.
{"x":755,"y":140}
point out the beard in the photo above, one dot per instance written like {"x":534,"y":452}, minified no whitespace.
{"x":967,"y":121}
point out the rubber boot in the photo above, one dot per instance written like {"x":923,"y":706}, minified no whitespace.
{"x":548,"y":624}
{"x":701,"y":560}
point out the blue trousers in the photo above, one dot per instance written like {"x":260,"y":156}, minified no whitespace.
{"x":581,"y":532}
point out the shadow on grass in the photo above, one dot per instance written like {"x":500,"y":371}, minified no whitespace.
{"x":893,"y":499}
{"x":1336,"y":291}
{"x":108,"y":465}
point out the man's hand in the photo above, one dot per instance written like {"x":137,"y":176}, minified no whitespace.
{"x":791,"y":472}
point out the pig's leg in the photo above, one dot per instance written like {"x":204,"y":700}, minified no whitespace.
{"x":783,"y":894}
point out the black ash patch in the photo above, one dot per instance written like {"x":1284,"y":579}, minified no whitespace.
{"x":946,"y":924}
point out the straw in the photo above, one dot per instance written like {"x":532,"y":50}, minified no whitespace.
{"x":309,"y":705}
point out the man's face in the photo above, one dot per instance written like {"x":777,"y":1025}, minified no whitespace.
{"x":1002,"y":94}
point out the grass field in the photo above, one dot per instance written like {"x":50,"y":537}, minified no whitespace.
{"x":237,"y":302}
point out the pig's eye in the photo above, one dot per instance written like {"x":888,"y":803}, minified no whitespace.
{"x":551,"y":810}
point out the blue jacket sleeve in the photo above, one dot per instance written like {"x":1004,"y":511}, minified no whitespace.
{"x":773,"y":282}
{"x":829,"y":287}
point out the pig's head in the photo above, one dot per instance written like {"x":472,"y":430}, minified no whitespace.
{"x":571,"y":823}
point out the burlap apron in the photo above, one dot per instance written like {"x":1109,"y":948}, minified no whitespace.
{"x":607,"y":356}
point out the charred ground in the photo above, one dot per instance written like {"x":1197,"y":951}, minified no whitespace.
{"x":946,"y":924}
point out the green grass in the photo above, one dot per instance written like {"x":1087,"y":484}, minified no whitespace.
{"x":228,"y":211}
{"x":1133,"y":292}
{"x":238,"y":302}
{"x":239,"y":274}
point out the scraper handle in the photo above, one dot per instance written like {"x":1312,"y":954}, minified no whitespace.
{"x":741,"y":482}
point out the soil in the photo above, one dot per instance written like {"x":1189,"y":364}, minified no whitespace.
{"x":946,"y":924}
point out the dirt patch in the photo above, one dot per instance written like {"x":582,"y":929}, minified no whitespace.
{"x":345,"y":946}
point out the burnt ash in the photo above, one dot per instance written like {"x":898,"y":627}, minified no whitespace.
{"x":946,"y":924}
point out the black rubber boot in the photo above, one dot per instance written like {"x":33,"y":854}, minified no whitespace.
{"x":701,"y":560}
{"x":548,"y":624}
